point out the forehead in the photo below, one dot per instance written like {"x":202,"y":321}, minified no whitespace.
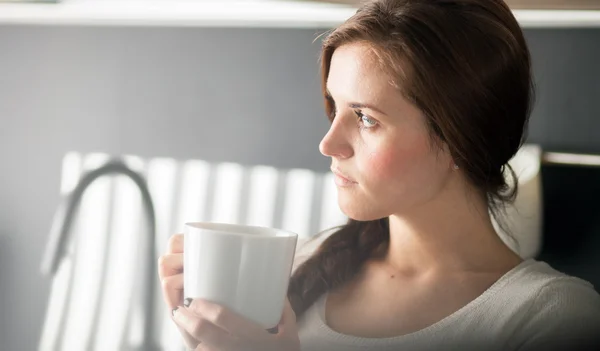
{"x":356,"y":72}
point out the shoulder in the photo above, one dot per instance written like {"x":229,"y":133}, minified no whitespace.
{"x":563,"y":311}
{"x":557,"y":292}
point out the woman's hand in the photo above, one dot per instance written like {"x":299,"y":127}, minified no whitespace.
{"x":170,"y":272}
{"x":216,"y":328}
{"x":232,"y":332}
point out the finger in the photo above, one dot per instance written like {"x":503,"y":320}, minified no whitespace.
{"x":170,"y":264}
{"x":175,"y":244}
{"x":190,"y":342}
{"x":225,"y":318}
{"x":201,"y":329}
{"x":172,"y":287}
{"x":288,"y":319}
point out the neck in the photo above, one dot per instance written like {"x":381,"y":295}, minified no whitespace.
{"x":451,"y":233}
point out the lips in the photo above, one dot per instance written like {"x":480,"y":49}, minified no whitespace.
{"x":341,"y":178}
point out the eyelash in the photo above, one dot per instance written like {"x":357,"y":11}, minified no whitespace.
{"x":361,"y":116}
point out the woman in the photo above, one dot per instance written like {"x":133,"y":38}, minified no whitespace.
{"x":428,"y":101}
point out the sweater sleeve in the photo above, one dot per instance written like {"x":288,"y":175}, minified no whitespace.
{"x":564,"y":316}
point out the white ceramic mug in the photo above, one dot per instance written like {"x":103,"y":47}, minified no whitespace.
{"x":244,"y":268}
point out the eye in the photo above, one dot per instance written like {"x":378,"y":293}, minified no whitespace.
{"x":365,"y":121}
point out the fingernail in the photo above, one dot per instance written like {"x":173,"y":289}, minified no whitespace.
{"x":173,"y":311}
{"x":187,"y":302}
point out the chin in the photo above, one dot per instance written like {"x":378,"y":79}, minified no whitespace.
{"x":360,"y":210}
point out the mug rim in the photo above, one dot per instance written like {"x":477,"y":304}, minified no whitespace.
{"x":241,"y":230}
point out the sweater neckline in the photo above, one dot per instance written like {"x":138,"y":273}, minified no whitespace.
{"x":352,"y":340}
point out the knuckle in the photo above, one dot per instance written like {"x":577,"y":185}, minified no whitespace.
{"x":171,"y":240}
{"x":199,"y":327}
{"x":163,"y":265}
{"x":168,"y":283}
{"x":174,"y":241}
{"x":219,"y":314}
{"x":162,"y":261}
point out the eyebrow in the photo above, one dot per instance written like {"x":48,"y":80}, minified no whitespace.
{"x":357,"y":104}
{"x":370,"y":107}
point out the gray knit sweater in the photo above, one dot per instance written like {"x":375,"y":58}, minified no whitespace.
{"x":532,"y":307}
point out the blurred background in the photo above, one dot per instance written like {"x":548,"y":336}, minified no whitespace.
{"x":216,"y":99}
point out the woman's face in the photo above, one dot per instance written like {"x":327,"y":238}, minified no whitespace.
{"x":378,"y":141}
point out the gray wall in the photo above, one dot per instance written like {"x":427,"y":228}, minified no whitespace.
{"x":567,"y":71}
{"x":248,"y":96}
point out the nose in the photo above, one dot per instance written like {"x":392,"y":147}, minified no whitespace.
{"x":335,"y":142}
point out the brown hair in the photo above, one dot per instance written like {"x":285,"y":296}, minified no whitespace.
{"x":468,"y":69}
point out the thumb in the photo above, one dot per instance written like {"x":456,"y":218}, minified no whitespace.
{"x":288,"y":319}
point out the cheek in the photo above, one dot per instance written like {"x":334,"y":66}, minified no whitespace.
{"x":385,"y":164}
